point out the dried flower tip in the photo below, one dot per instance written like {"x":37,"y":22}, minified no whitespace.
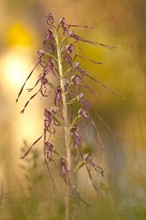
{"x":47,"y":113}
{"x":64,"y":25}
{"x":51,"y":63}
{"x":44,"y":80}
{"x":77,"y":139}
{"x":76,"y":65}
{"x":66,"y":83}
{"x":48,"y":150}
{"x":50,"y":17}
{"x":48,"y":146}
{"x":84,"y":102}
{"x":74,"y":128}
{"x":62,"y":21}
{"x":88,"y":158}
{"x":50,"y":33}
{"x":83,"y":113}
{"x":76,"y":80}
{"x":63,"y":167}
{"x":41,"y":52}
{"x":50,"y":39}
{"x":71,"y":33}
{"x":80,"y":96}
{"x":48,"y":119}
{"x":54,"y":109}
{"x":70,"y":48}
{"x":67,"y":87}
{"x":58,"y":96}
{"x":62,"y":162}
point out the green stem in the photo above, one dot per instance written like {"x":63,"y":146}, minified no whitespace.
{"x":66,"y":127}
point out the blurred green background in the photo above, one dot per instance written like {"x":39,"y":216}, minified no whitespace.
{"x":26,"y":189}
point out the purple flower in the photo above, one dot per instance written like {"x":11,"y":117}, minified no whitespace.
{"x":58,"y":96}
{"x":48,"y":150}
{"x":77,"y":138}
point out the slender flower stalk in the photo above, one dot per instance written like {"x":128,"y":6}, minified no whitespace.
{"x":66,"y":124}
{"x":59,"y":58}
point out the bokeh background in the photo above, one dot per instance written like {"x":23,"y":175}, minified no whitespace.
{"x":26,"y":189}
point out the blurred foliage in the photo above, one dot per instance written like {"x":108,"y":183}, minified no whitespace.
{"x":22,"y":38}
{"x":29,"y":194}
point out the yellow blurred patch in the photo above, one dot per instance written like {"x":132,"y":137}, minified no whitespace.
{"x":17,"y":35}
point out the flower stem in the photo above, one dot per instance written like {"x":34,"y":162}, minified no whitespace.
{"x":66,"y":128}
